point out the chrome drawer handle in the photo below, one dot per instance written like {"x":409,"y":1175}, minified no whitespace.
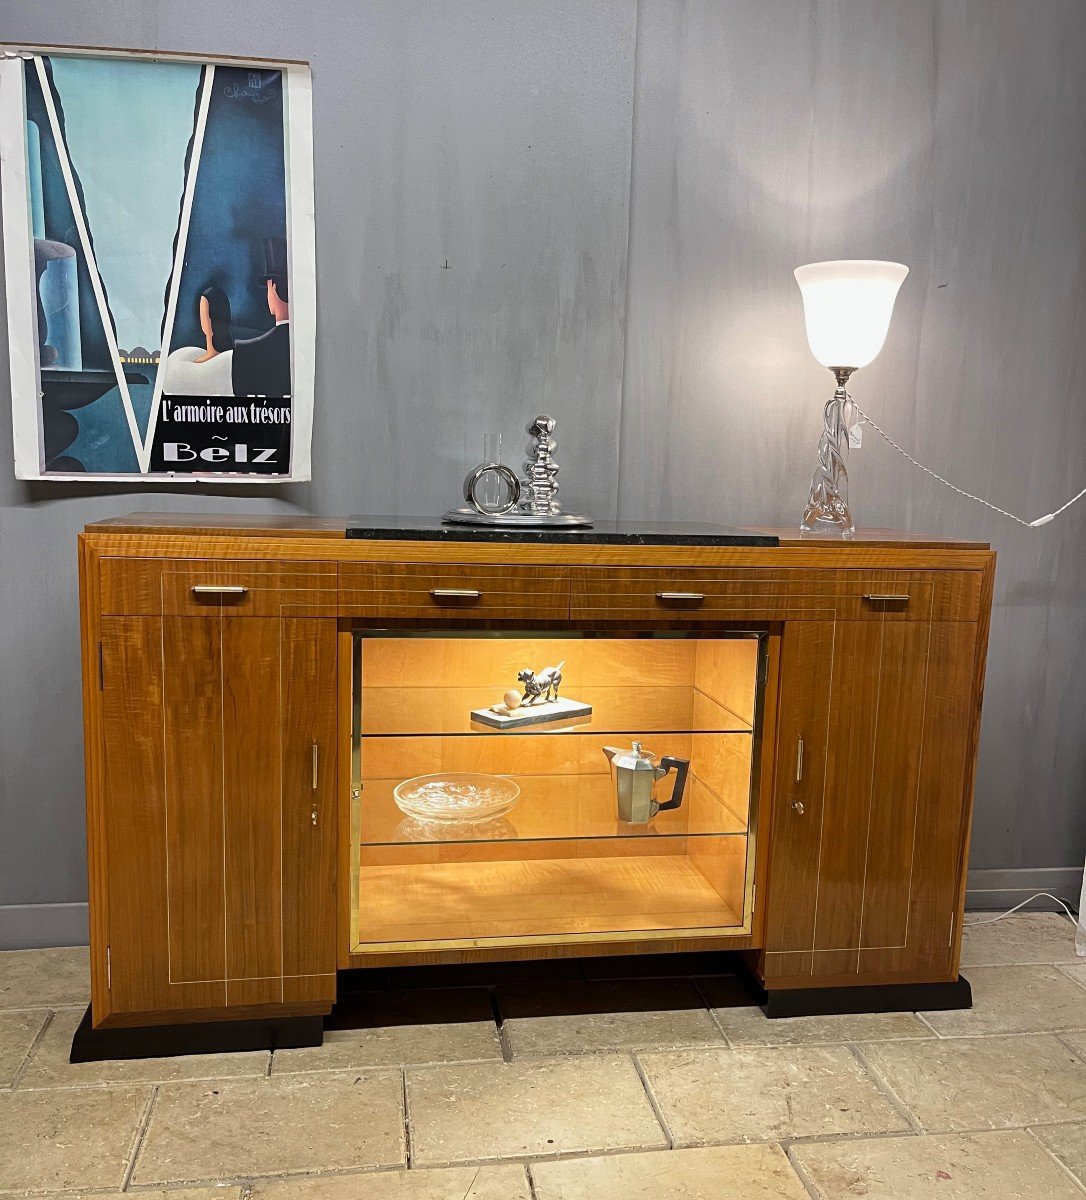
{"x":455,"y":593}
{"x":886,"y":597}
{"x":680,"y":597}
{"x":219,"y":589}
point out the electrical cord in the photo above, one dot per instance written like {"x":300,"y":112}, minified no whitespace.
{"x":1029,"y":525}
{"x":961,"y":492}
{"x":1011,"y":911}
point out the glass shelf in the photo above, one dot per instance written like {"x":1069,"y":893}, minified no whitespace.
{"x":552,"y":808}
{"x":422,"y":711}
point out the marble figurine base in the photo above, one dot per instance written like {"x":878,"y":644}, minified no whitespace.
{"x":532,"y":714}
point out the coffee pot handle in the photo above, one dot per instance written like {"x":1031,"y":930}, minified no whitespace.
{"x":682,"y":767}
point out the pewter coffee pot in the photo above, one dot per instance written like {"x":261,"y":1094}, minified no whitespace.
{"x":636,"y":774}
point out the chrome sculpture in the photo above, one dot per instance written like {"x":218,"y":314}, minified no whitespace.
{"x":541,"y":686}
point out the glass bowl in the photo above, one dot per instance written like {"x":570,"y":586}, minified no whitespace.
{"x":496,"y":829}
{"x":456,"y":796}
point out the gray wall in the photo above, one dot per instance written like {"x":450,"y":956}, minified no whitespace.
{"x":621,"y":192}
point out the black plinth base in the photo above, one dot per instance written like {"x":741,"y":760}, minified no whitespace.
{"x":877,"y":998}
{"x":210,"y":1037}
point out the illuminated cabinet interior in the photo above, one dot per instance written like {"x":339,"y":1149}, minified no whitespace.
{"x":560,"y":866}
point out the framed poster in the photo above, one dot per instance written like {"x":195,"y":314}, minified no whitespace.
{"x":159,"y":259}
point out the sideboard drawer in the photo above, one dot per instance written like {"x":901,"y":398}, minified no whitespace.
{"x":625,"y":594}
{"x":456,"y":590}
{"x":191,"y":588}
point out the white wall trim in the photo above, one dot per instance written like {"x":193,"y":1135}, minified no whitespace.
{"x":997,"y":889}
{"x":29,"y":926}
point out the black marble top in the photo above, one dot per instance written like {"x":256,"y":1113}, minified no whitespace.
{"x":605,"y":533}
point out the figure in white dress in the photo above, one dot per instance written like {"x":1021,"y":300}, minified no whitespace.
{"x":205,"y":371}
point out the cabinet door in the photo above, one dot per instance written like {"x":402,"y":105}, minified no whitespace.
{"x":218,"y":784}
{"x":874,"y":739}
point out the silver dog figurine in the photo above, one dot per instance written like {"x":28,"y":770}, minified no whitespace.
{"x":542,"y":685}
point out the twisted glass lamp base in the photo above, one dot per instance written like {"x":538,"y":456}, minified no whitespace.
{"x":827,"y":510}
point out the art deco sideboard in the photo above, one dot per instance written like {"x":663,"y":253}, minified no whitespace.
{"x":255,"y":690}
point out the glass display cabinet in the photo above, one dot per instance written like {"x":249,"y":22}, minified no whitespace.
{"x":563,"y":864}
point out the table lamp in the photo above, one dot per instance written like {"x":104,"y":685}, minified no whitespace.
{"x":847,"y":306}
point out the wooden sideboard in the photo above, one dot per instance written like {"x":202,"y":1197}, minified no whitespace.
{"x":232,"y":875}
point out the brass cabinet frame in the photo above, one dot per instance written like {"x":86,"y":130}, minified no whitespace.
{"x":538,"y":945}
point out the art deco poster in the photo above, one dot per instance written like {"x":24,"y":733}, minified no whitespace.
{"x":158,"y":247}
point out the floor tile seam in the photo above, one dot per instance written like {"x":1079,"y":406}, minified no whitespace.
{"x":243,"y":1180}
{"x":105,"y":1084}
{"x":940,"y":1131}
{"x":1045,"y":962}
{"x":1065,"y":970}
{"x":31,"y":1050}
{"x":883,"y":1086}
{"x":405,"y":1117}
{"x":505,"y":1045}
{"x":294,"y":1073}
{"x":723,"y":1032}
{"x":531,"y":1156}
{"x":138,"y":1188}
{"x":391,"y":1070}
{"x":801,"y":1139}
{"x":821,"y":1139}
{"x":251,"y":1179}
{"x":255,"y":1077}
{"x":141,"y":1135}
{"x":593,"y":1051}
{"x":619,"y":1053}
{"x":248,"y":1183}
{"x":801,"y":1173}
{"x":1003,"y":1033}
{"x":42,"y":1006}
{"x":654,"y":1103}
{"x":1031,"y":1131}
{"x":815,"y":1042}
{"x":944,"y":1131}
{"x":711,"y":1010}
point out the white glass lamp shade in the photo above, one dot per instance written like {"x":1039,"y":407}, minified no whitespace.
{"x":847,"y":305}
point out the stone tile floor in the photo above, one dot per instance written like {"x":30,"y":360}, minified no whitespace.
{"x":593,"y":1087}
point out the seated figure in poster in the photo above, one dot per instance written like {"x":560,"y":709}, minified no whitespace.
{"x":205,"y":370}
{"x":262,"y":364}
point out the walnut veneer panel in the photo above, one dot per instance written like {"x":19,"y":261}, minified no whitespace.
{"x":251,"y":808}
{"x":221,"y":888}
{"x":153,"y":587}
{"x":136,"y":834}
{"x":415,"y":590}
{"x":193,"y":797}
{"x":708,"y":594}
{"x":868,"y":847}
